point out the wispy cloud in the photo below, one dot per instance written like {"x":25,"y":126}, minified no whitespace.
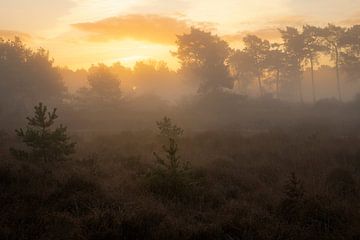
{"x":150,"y":28}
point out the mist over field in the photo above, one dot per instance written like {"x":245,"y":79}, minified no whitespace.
{"x":167,"y":121}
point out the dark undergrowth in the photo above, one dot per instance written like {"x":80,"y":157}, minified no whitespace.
{"x":275,"y":185}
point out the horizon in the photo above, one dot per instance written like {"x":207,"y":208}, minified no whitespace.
{"x":79,"y":33}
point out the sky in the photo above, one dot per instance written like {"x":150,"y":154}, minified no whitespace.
{"x":79,"y":33}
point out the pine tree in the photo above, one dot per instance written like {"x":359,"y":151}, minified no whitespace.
{"x":292,"y":205}
{"x":171,"y":176}
{"x":171,"y":132}
{"x":293,"y":189}
{"x":45,"y":142}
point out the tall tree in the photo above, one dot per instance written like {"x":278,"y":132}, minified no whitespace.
{"x":258,"y":50}
{"x":203,"y":56}
{"x":241,"y":68}
{"x":333,"y":38}
{"x":351,"y":54}
{"x":276,"y":62}
{"x":294,"y":49}
{"x":312,"y":50}
{"x":27,"y":77}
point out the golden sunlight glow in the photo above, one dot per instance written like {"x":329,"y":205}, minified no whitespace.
{"x":79,"y":33}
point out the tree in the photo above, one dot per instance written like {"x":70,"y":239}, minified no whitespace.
{"x":292,"y":204}
{"x":257,"y":49}
{"x":312,"y":49}
{"x":27,"y":76}
{"x":46,"y":143}
{"x":171,"y":176}
{"x":171,"y":132}
{"x":203,"y":56}
{"x":250,"y":63}
{"x":276,"y":62}
{"x":333,"y":37}
{"x":351,"y":54}
{"x":294,"y":50}
{"x":240,"y":66}
{"x":154,"y":77}
{"x":104,"y":87}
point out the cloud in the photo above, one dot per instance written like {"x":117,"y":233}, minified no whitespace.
{"x":150,"y":28}
{"x":271,"y":34}
{"x":7,"y":34}
{"x":290,"y":20}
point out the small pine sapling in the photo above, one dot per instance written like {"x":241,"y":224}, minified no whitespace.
{"x":46,"y":143}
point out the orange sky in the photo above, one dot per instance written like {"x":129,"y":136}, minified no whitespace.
{"x":81,"y":32}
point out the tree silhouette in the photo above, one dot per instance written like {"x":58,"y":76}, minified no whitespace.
{"x":351,"y":54}
{"x":292,"y":204}
{"x":333,"y":39}
{"x":27,"y":77}
{"x":250,"y":63}
{"x":203,"y":56}
{"x":294,"y":49}
{"x":276,"y":62}
{"x":240,"y":67}
{"x":104,"y":87}
{"x":170,"y":177}
{"x":45,"y":142}
{"x":312,"y":49}
{"x":258,"y":50}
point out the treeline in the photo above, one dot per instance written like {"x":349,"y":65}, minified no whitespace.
{"x":278,"y":65}
{"x":212,"y":76}
{"x":206,"y":61}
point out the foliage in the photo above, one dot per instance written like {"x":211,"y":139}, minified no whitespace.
{"x":46,"y":143}
{"x":204,"y":56}
{"x":168,"y":129}
{"x":171,"y":176}
{"x":292,"y":205}
{"x":241,"y":196}
{"x":104,"y":88}
{"x":27,"y":75}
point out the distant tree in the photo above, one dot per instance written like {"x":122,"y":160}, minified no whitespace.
{"x":250,"y":63}
{"x":258,"y":50}
{"x":240,"y":67}
{"x":104,"y":87}
{"x":351,"y":54}
{"x":276,"y":62}
{"x":153,"y":77}
{"x":27,"y":76}
{"x":312,"y":49}
{"x":294,"y":49}
{"x":203,"y":56}
{"x":333,"y":38}
{"x":104,"y":83}
{"x":45,"y":142}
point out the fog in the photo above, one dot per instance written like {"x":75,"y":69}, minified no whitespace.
{"x":261,"y":142}
{"x":311,"y":71}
